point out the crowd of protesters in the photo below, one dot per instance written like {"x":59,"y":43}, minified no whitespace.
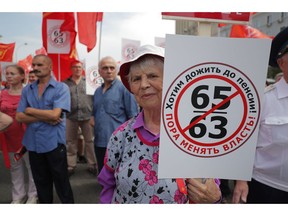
{"x":117,"y":131}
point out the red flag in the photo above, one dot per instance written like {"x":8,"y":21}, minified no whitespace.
{"x":6,"y":52}
{"x":63,"y":61}
{"x":69,"y":24}
{"x":87,"y":28}
{"x":245,"y":31}
{"x":42,"y":50}
{"x":59,"y":34}
{"x":26,"y":63}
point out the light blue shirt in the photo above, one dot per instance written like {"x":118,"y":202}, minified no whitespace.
{"x":40,"y":136}
{"x":110,"y":110}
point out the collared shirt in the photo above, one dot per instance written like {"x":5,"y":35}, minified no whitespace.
{"x":40,"y":136}
{"x":110,"y":110}
{"x":271,"y":159}
{"x":146,"y":134}
{"x":81,"y":103}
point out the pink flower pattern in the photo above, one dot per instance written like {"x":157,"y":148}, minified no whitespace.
{"x":145,"y":166}
{"x":151,"y":178}
{"x":155,"y":157}
{"x":179,"y":197}
{"x":136,"y":173}
{"x":156,"y":200}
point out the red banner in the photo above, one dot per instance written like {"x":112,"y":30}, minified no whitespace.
{"x":62,"y":62}
{"x":245,"y":31}
{"x":42,"y":50}
{"x":87,"y":28}
{"x":26,"y":63}
{"x":228,"y":17}
{"x":6,"y":52}
{"x":60,"y":33}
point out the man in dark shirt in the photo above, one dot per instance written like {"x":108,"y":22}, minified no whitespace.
{"x":81,"y":110}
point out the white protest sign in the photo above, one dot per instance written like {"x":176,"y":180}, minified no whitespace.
{"x":211,"y":106}
{"x":58,"y":42}
{"x":129,"y":48}
{"x":93,"y":78}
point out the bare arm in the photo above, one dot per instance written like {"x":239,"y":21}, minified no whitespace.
{"x":44,"y":115}
{"x":24,"y":118}
{"x":5,"y":121}
{"x":33,"y":115}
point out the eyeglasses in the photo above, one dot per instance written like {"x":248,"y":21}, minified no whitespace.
{"x":75,"y":66}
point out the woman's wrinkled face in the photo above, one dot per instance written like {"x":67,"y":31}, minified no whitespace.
{"x":146,"y":83}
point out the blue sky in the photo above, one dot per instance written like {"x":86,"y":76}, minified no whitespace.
{"x":25,"y":27}
{"x":21,"y":28}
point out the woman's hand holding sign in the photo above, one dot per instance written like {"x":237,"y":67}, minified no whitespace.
{"x":199,"y":192}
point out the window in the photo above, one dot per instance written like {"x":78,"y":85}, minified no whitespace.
{"x":281,"y":17}
{"x":269,"y":21}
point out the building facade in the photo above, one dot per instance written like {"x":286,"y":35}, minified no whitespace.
{"x":270,"y":23}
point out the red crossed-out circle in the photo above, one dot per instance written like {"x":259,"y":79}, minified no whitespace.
{"x":238,"y":92}
{"x":174,"y":135}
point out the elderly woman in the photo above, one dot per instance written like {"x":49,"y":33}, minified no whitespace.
{"x":131,"y":163}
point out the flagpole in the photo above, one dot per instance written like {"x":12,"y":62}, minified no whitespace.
{"x":59,"y":68}
{"x":100,"y":38}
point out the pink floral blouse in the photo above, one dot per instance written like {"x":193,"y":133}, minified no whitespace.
{"x":131,"y":166}
{"x":132,"y":163}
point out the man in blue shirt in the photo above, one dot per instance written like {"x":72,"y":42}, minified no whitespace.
{"x":113,"y":105}
{"x":42,"y":107}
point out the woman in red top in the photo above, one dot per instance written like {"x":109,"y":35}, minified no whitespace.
{"x":9,"y":99}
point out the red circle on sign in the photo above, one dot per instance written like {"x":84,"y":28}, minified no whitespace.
{"x":176,"y":91}
{"x":191,"y":83}
{"x":59,"y":35}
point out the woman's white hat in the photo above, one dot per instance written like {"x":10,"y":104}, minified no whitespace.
{"x":143,"y":50}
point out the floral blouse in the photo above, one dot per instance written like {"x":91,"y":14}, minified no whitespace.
{"x":133,"y":160}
